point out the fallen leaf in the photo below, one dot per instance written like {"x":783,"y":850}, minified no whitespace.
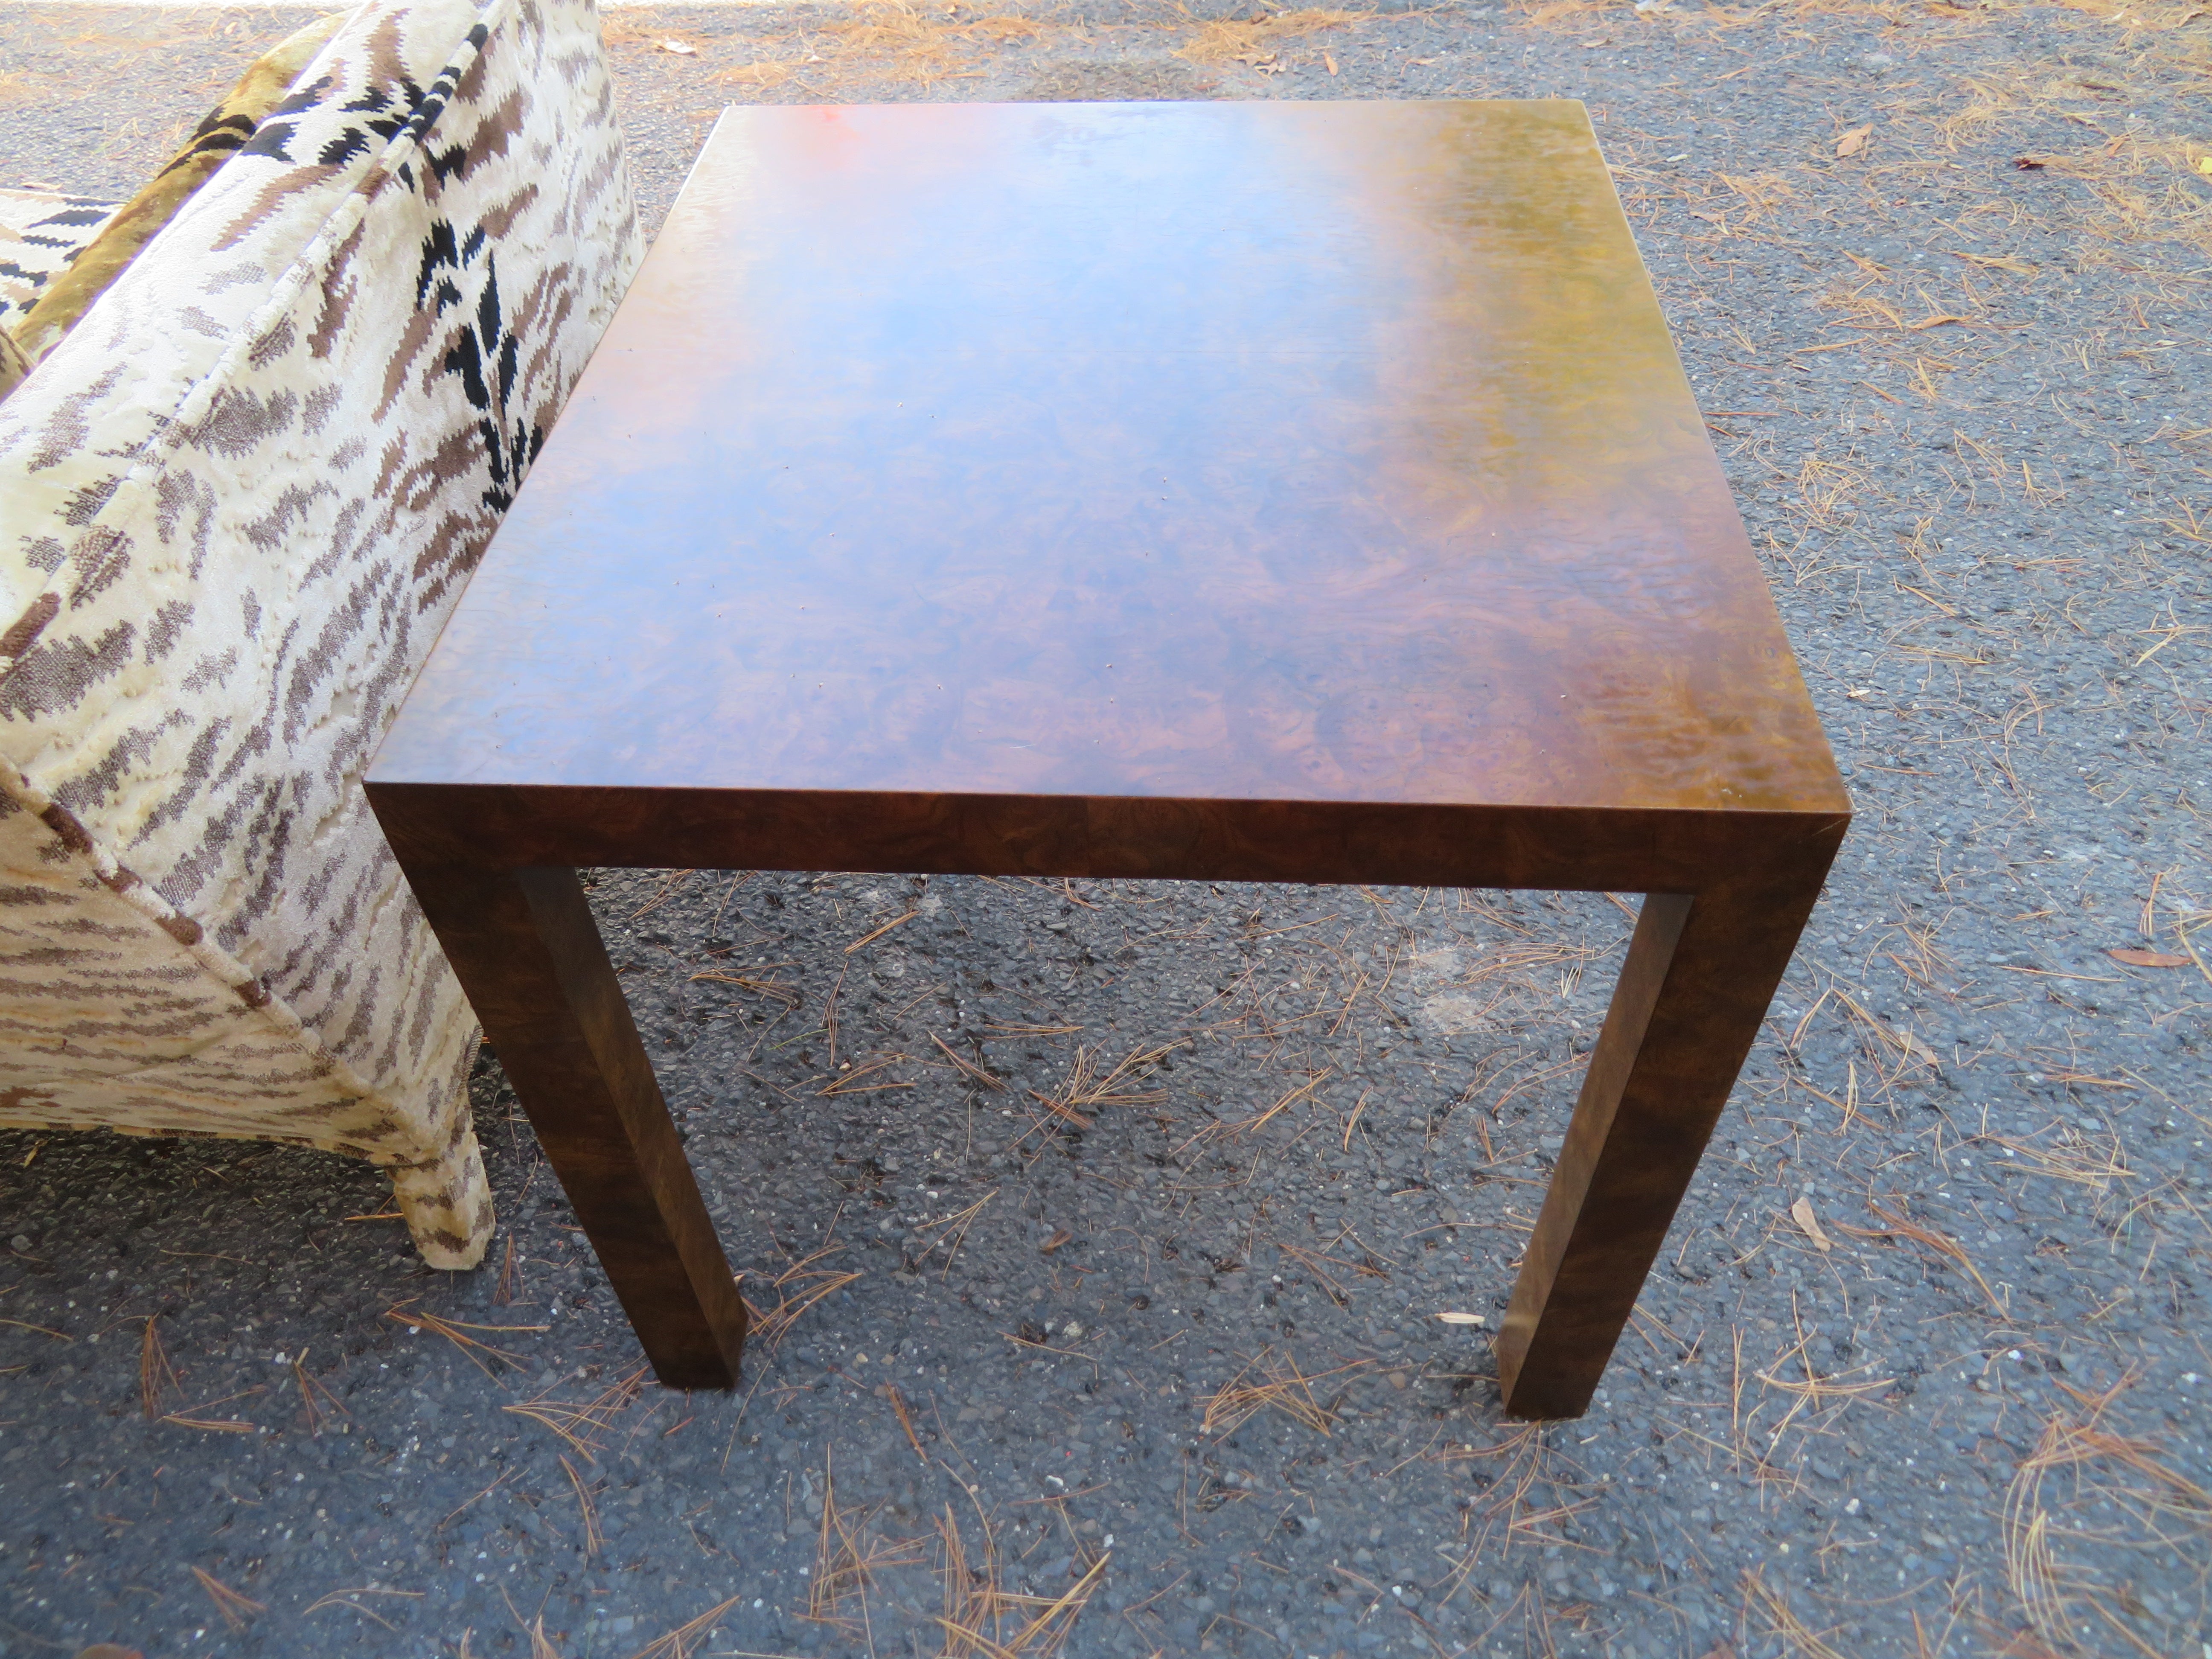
{"x":1854,"y":140}
{"x":1330,"y":60}
{"x":1461,"y":1318}
{"x":1060,"y":1236}
{"x":2140,"y":959}
{"x":2029,"y":164}
{"x":2204,"y":166}
{"x":680,"y":48}
{"x":1936,"y":321}
{"x":1802,"y":1213}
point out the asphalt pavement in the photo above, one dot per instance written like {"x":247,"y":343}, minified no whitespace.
{"x":1922,"y":1369}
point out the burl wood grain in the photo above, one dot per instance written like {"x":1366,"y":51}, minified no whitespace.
{"x":1285,"y":492}
{"x":1309,"y":451}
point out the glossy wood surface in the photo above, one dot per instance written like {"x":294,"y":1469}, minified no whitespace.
{"x":1276,"y":492}
{"x":525,"y":947}
{"x":1331,"y":451}
{"x":1700,"y":972}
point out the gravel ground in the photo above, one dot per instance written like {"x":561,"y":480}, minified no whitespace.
{"x":1923,"y":1367}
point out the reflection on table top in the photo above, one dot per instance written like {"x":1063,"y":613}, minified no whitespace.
{"x":1228,"y":451}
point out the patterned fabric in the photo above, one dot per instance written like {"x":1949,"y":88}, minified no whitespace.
{"x":225,"y":130}
{"x":40,"y":232}
{"x":240,"y":496}
{"x":14,"y":365}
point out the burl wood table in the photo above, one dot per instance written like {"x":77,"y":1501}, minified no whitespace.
{"x":1286,"y":492}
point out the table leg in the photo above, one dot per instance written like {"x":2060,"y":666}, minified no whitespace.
{"x":1699,"y":975}
{"x":530,"y":958}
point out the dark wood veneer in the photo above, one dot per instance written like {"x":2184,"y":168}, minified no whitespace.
{"x":1300,"y":492}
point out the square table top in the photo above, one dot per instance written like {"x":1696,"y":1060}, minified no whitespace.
{"x":1308,"y":452}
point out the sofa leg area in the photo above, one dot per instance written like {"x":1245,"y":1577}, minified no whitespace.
{"x":447,"y":1204}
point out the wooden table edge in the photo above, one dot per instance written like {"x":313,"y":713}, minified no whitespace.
{"x":1558,"y":848}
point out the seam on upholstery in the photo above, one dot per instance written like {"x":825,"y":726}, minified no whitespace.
{"x":272,"y":1013}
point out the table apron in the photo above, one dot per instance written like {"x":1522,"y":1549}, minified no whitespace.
{"x":1558,"y":848}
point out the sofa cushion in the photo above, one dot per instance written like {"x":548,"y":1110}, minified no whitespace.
{"x":226,"y":128}
{"x":40,"y":232}
{"x":242,"y":493}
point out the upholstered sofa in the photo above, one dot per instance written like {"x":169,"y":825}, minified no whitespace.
{"x":237,"y":499}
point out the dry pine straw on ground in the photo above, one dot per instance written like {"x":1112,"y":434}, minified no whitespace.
{"x":1914,"y":1375}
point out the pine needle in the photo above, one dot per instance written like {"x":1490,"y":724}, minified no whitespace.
{"x":236,"y":1609}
